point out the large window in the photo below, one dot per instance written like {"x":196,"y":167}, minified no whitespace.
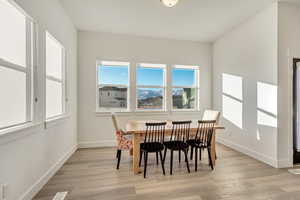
{"x":112,"y":85}
{"x":16,"y":61}
{"x":150,"y":80}
{"x":55,"y":78}
{"x":185,"y":87}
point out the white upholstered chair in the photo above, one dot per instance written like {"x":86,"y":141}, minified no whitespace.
{"x":211,"y":115}
{"x":123,"y":142}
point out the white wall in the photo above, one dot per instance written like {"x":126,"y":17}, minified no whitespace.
{"x":249,"y":51}
{"x":96,"y":129}
{"x":30,"y":156}
{"x":289,"y":48}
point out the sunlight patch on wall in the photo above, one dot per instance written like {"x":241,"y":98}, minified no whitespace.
{"x":267,"y":97}
{"x":233,"y":99}
{"x":258,"y":135}
{"x":266,"y":119}
{"x":266,"y":104}
{"x":233,"y":111}
{"x":233,"y":86}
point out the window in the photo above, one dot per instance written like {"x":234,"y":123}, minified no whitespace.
{"x":16,"y":65}
{"x":112,"y":85}
{"x":185,"y":91}
{"x":55,"y":78}
{"x":150,"y":87}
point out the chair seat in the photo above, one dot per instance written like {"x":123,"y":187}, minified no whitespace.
{"x":176,"y":145}
{"x":196,"y":143}
{"x":152,"y":146}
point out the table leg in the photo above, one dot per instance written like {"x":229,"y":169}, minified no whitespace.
{"x":136,"y":153}
{"x":213,"y":148}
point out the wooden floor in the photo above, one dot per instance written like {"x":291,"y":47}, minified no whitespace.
{"x":90,"y":174}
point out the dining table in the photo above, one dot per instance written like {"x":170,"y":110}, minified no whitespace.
{"x":137,"y":128}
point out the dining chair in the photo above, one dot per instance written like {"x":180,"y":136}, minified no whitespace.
{"x":177,"y":141}
{"x":211,"y":115}
{"x":123,"y":142}
{"x":153,"y":143}
{"x":202,"y":140}
{"x":208,"y":115}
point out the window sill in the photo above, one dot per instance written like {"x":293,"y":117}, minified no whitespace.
{"x":13,"y":133}
{"x":185,"y":110}
{"x":107,"y":113}
{"x":55,"y":121}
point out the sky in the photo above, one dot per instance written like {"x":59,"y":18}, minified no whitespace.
{"x":145,"y":76}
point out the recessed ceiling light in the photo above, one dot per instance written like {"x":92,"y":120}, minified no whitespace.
{"x":169,"y":3}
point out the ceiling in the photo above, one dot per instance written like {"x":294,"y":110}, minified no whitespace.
{"x":197,"y":20}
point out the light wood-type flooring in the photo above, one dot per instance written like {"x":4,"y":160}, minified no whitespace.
{"x":90,"y":174}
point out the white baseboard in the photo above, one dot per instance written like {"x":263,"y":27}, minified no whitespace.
{"x":95,"y":144}
{"x":37,"y":186}
{"x":261,"y":157}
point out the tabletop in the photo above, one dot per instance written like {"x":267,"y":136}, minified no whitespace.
{"x":139,"y":126}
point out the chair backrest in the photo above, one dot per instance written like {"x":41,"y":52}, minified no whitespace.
{"x":115,"y":121}
{"x":155,"y":132}
{"x":180,"y":130}
{"x":211,"y":115}
{"x":205,"y":131}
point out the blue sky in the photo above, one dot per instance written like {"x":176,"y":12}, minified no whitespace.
{"x":183,"y":77}
{"x":113,"y":75}
{"x":145,"y":76}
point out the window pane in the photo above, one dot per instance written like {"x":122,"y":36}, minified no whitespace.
{"x":184,"y":98}
{"x":12,"y":34}
{"x":183,"y":77}
{"x":113,"y":97}
{"x":54,"y":104}
{"x":13,"y":97}
{"x":150,"y":76}
{"x":113,"y":75}
{"x":54,"y":61}
{"x":150,"y":98}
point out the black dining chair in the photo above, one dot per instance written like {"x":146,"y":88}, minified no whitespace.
{"x":153,"y":143}
{"x":202,"y":140}
{"x":177,"y":141}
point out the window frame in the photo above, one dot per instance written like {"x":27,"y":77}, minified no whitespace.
{"x":29,"y":69}
{"x":98,"y":86}
{"x":196,"y":87}
{"x":164,"y":87}
{"x":62,"y":81}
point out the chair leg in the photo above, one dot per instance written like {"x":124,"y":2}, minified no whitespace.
{"x":145,"y":163}
{"x":141,"y":157}
{"x":196,"y":159}
{"x":210,"y":160}
{"x":162,"y":163}
{"x":192,"y":150}
{"x":156,"y":158}
{"x":119,"y":158}
{"x":179,"y":155}
{"x":171,"y":163}
{"x":200,"y":154}
{"x":165,"y":154}
{"x":186,"y":160}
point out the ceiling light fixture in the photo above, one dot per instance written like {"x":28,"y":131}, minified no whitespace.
{"x":169,"y":3}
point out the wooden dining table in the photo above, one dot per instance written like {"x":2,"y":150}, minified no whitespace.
{"x":137,"y":129}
